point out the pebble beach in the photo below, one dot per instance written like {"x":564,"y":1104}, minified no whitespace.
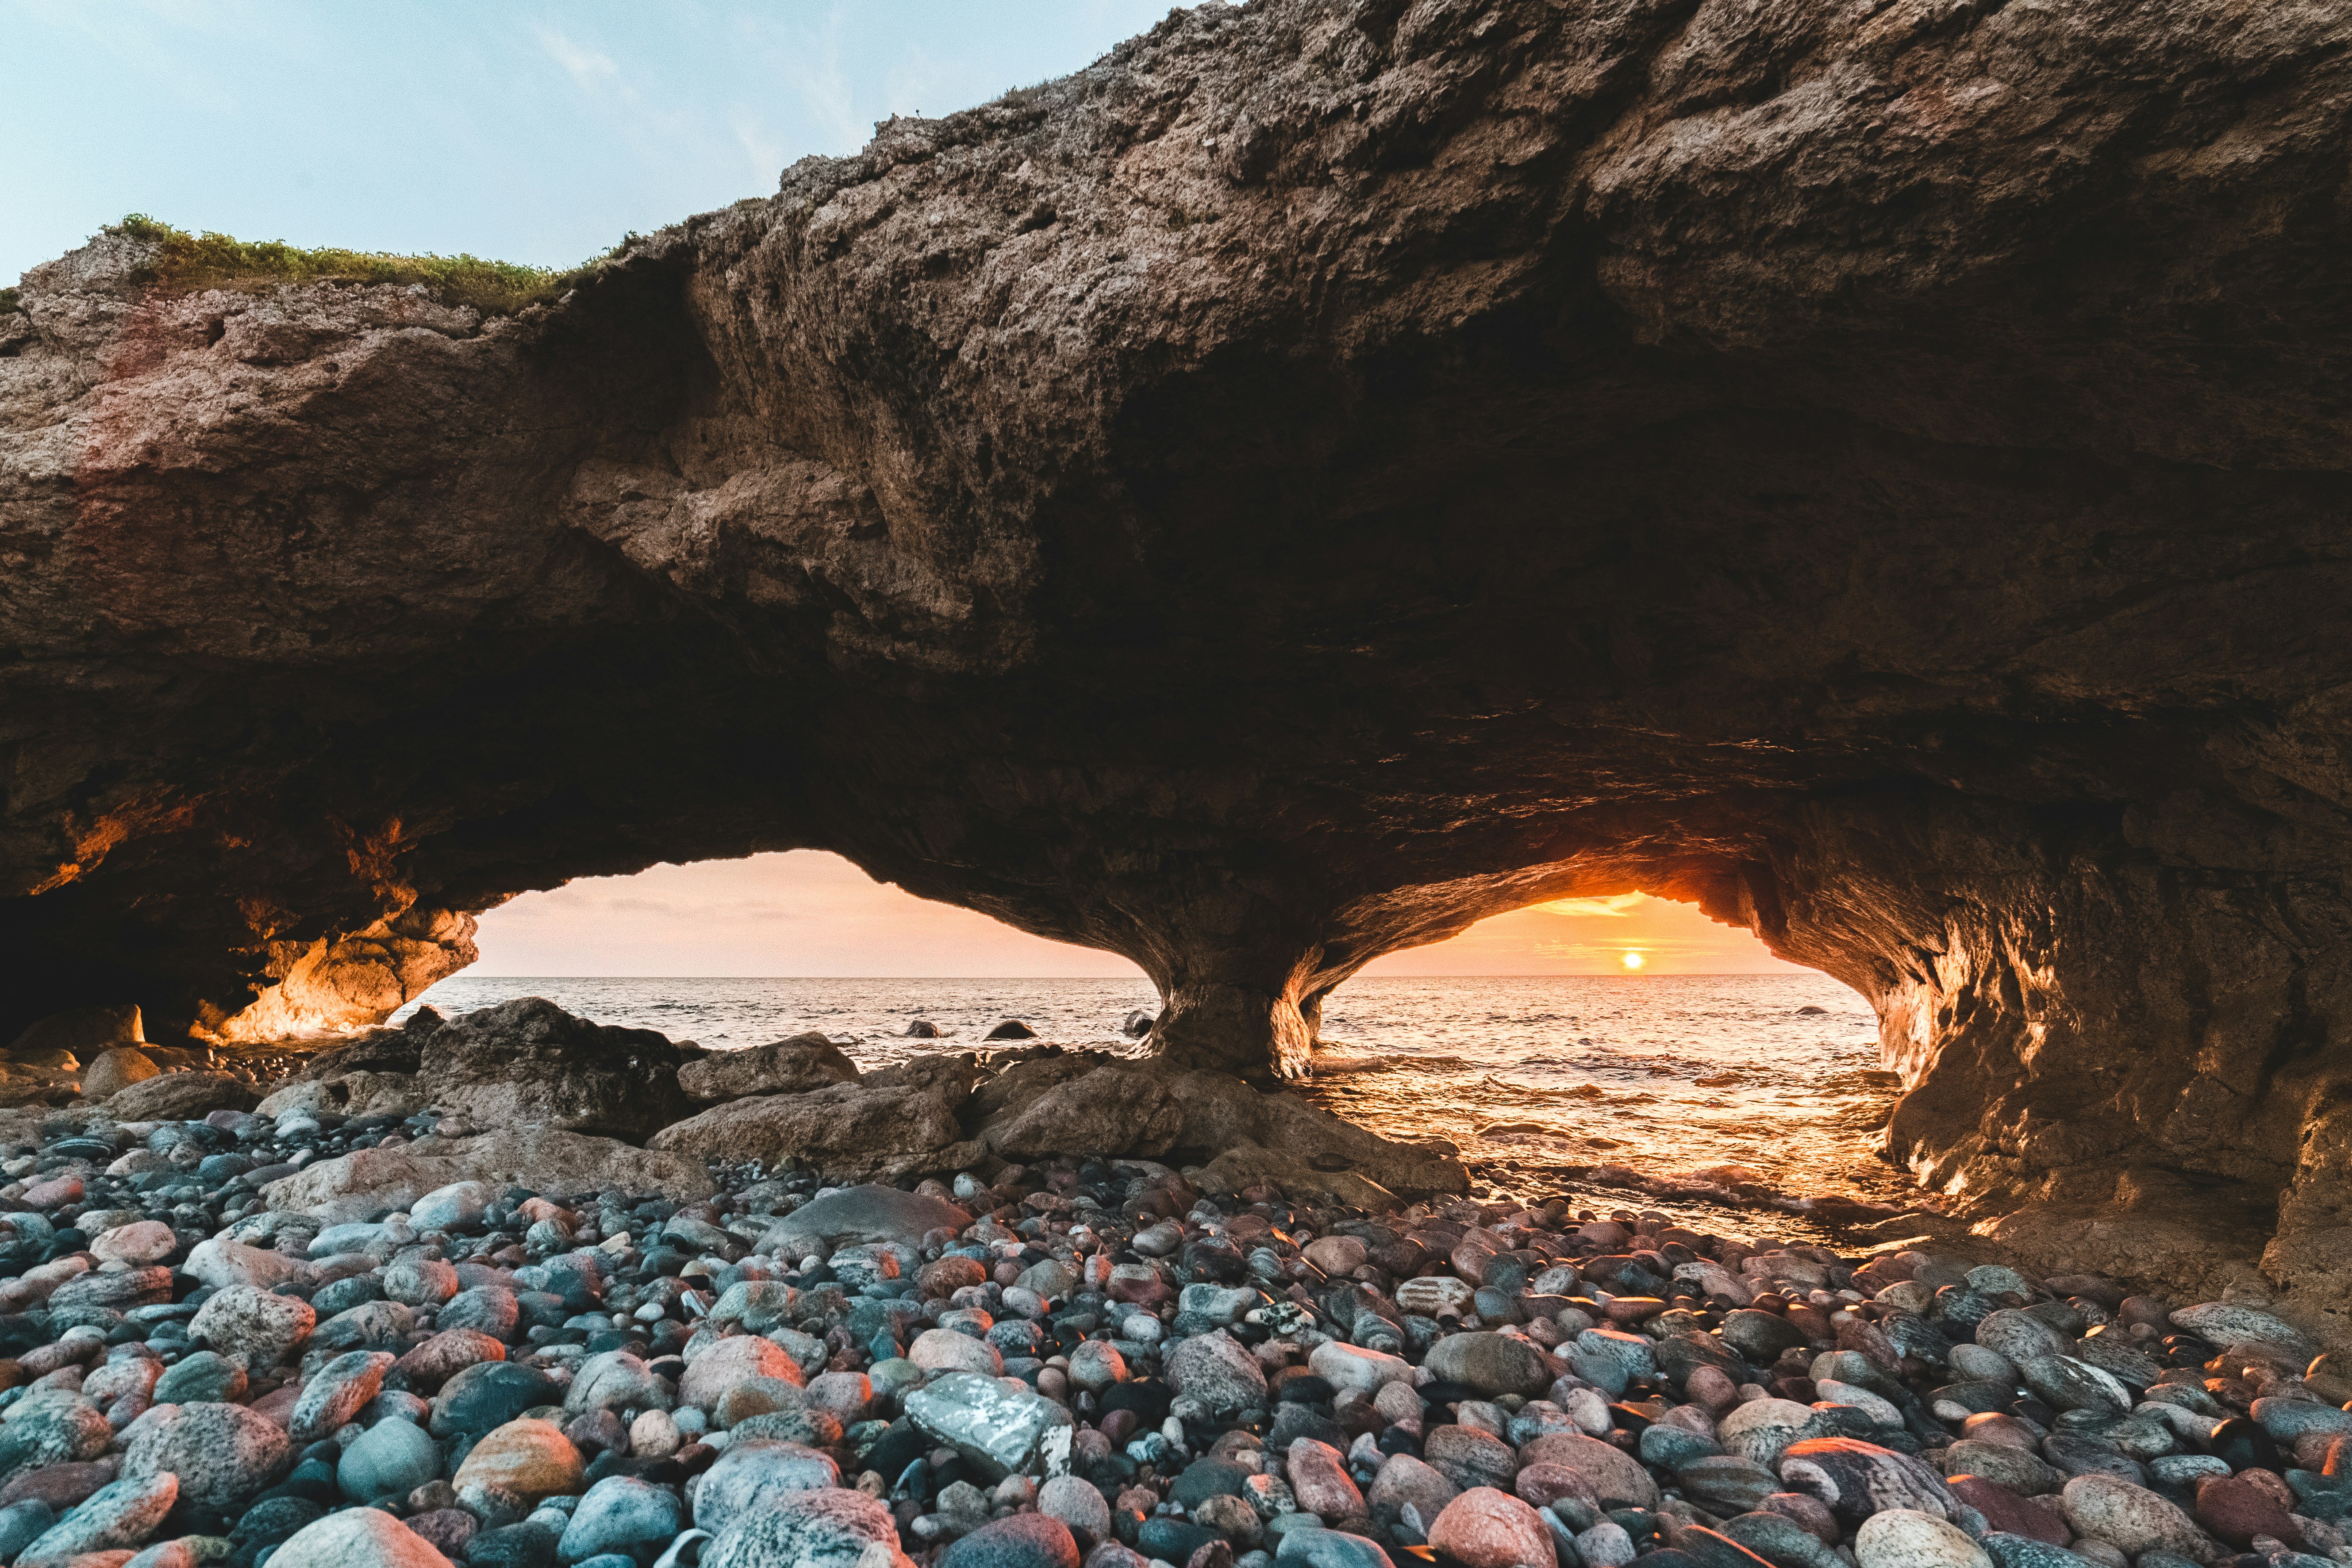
{"x":1080,"y":1361}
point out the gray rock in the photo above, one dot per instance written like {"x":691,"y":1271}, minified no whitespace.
{"x":750,"y":1473}
{"x":122,"y":1513}
{"x":453,"y":1204}
{"x":760,"y":1305}
{"x":2026,"y":1474}
{"x":828,"y":1528}
{"x":1221,"y":1304}
{"x":2069,"y":1385}
{"x":21,"y":1525}
{"x":1077,"y":1503}
{"x":2132,"y":1517}
{"x":1617,"y":1478}
{"x":260,"y":1329}
{"x":340,"y":1298}
{"x":1214,"y":1371}
{"x":487,"y":1395}
{"x":2227,"y":1325}
{"x":792,"y":1066}
{"x":487,"y":1309}
{"x":389,"y":1459}
{"x":2288,"y":1420}
{"x":2023,"y":1552}
{"x":223,"y":1454}
{"x":998,"y":1428}
{"x":1025,"y":1540}
{"x":1857,"y":1479}
{"x":1779,"y":1540}
{"x":1904,"y":1538}
{"x":620,"y":1514}
{"x":2020,"y":1337}
{"x":51,"y":1427}
{"x":1330,"y":1549}
{"x":420,"y":1282}
{"x":1724,"y":1483}
{"x":357,"y":1538}
{"x":857,"y":1214}
{"x":615,"y":1380}
{"x":335,"y":1394}
{"x":1492,"y":1364}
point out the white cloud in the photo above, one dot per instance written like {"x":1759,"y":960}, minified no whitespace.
{"x":589,"y":69}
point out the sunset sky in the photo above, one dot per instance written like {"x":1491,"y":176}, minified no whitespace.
{"x":811,"y":913}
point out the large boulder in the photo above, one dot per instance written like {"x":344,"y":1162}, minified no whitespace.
{"x":850,"y":1216}
{"x":1093,"y":1103}
{"x":849,"y":1129}
{"x":180,"y":1096}
{"x":86,"y":1032}
{"x":369,"y":1183}
{"x":787,"y":1067}
{"x":529,"y":1063}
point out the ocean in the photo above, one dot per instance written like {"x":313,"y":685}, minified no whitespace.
{"x":1528,"y":1076}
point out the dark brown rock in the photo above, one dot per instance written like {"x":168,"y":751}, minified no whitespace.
{"x":2236,"y":1509}
{"x":1325,"y":474}
{"x":527,"y":1063}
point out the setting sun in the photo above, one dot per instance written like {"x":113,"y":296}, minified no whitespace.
{"x":1633,"y":961}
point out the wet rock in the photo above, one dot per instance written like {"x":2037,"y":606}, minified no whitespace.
{"x":202,"y":1377}
{"x":997,"y":1428}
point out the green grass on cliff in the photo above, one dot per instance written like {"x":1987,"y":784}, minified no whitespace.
{"x":185,"y":262}
{"x":8,"y":301}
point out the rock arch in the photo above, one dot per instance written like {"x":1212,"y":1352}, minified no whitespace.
{"x":1325,"y":474}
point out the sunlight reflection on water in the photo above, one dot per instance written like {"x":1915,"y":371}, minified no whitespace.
{"x":1664,"y":1073}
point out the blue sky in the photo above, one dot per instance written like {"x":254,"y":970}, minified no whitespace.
{"x":537,"y":133}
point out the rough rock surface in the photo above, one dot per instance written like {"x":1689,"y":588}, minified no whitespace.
{"x":529,"y":1063}
{"x":1875,"y":470}
{"x":362,"y":1184}
{"x":804,"y":1062}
